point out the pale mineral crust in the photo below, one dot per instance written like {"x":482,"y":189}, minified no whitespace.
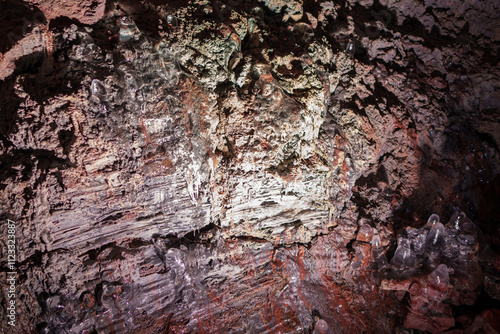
{"x":251,"y":166}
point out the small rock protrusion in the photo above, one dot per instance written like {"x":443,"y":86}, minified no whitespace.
{"x":98,"y":91}
{"x":321,"y":326}
{"x":440,"y":277}
{"x":350,"y":48}
{"x":435,"y":238}
{"x":457,"y":219}
{"x":433,"y":220}
{"x":54,"y":303}
{"x":365,"y":233}
{"x":257,"y":11}
{"x":303,"y":32}
{"x":376,"y":243}
{"x":461,"y":223}
{"x":98,"y":88}
{"x":378,"y":253}
{"x":128,"y":30}
{"x":172,"y":21}
{"x":403,"y":256}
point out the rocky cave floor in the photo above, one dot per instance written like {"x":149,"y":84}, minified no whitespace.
{"x":272,"y":166}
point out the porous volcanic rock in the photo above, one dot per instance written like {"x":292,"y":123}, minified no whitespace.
{"x":251,"y":166}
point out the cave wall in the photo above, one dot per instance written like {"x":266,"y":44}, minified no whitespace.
{"x":251,"y":166}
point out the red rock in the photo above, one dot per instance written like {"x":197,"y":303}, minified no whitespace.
{"x":400,"y":294}
{"x":492,"y":318}
{"x":395,"y":285}
{"x":243,"y":186}
{"x":438,"y":83}
{"x":365,"y":233}
{"x":419,"y":305}
{"x":465,"y":320}
{"x":85,"y":11}
{"x":33,"y":42}
{"x":430,"y":324}
{"x":463,"y":297}
{"x":486,"y":322}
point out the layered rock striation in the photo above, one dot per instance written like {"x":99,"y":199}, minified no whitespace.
{"x":251,"y":166}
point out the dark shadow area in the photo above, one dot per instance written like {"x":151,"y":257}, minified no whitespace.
{"x":17,"y":20}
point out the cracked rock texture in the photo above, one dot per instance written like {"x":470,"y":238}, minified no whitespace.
{"x":269,"y":166}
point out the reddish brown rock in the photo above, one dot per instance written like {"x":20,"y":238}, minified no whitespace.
{"x":433,"y":324}
{"x":486,"y":322}
{"x":365,"y":233}
{"x":33,"y":43}
{"x":86,"y":11}
{"x":395,"y":284}
{"x":240,"y":167}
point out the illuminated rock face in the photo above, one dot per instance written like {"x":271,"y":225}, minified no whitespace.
{"x":249,"y":167}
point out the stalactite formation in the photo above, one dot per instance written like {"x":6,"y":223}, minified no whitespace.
{"x":263,"y":166}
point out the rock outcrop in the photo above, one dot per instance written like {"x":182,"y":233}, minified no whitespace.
{"x":251,"y":166}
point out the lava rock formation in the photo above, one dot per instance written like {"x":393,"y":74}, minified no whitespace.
{"x":262,"y":166}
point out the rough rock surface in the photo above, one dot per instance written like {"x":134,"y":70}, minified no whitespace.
{"x":251,"y":166}
{"x":83,"y":11}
